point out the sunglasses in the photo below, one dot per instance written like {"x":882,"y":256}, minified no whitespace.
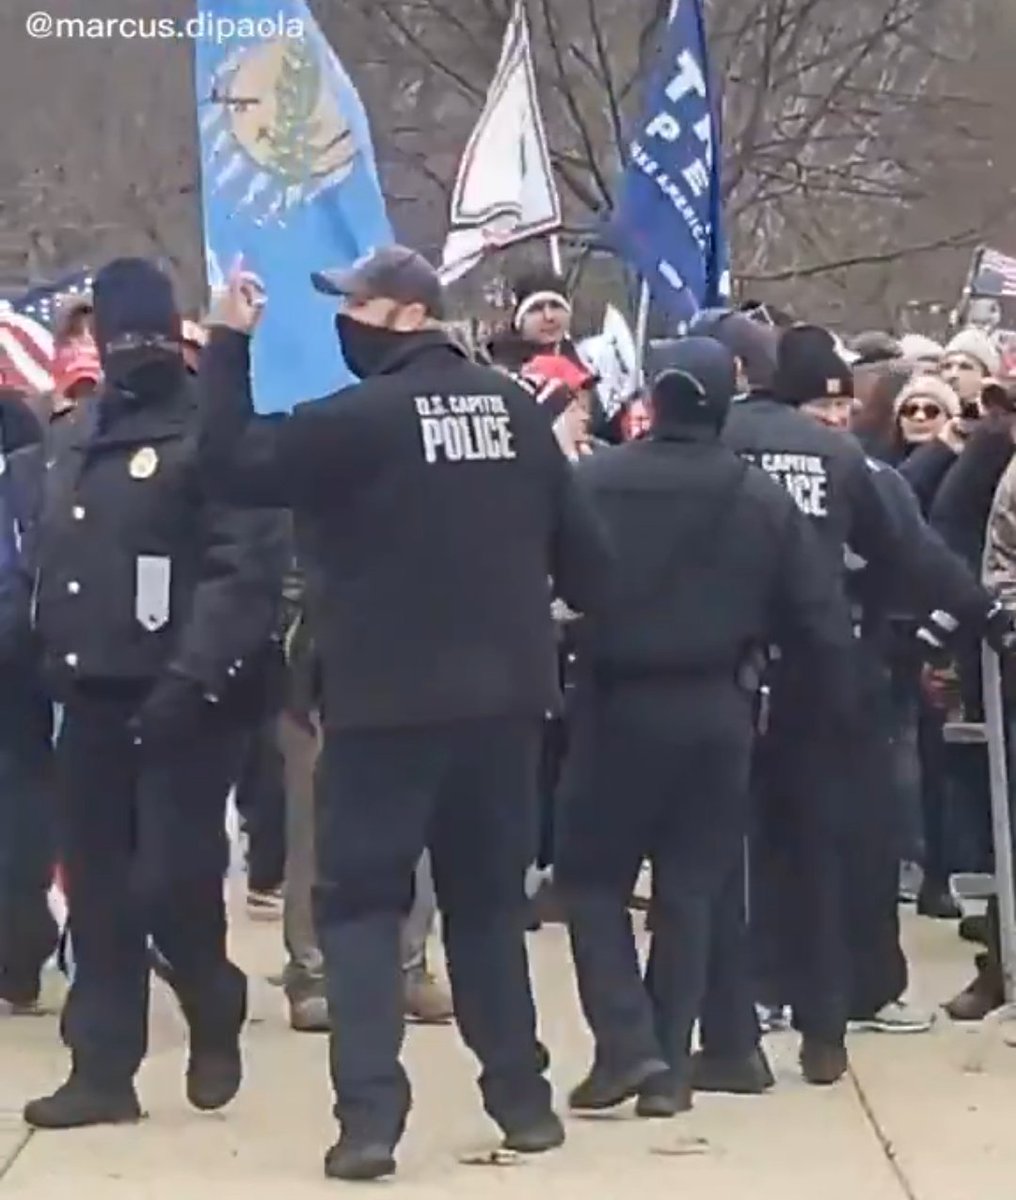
{"x":916,"y":409}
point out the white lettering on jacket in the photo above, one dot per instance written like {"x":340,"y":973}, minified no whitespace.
{"x":804,"y":477}
{"x":465,"y":429}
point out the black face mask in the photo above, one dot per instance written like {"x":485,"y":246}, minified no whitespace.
{"x":367,"y":348}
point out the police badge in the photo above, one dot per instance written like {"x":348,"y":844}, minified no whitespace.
{"x":144,"y":463}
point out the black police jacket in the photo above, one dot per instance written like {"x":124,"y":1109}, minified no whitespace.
{"x":833,"y":483}
{"x":138,"y":569}
{"x":714,"y":562}
{"x":942,"y":582}
{"x":432,"y":508}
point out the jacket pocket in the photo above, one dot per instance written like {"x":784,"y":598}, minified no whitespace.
{"x":153,"y":576}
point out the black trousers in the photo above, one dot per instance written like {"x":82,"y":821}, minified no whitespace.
{"x":659,"y":772}
{"x":28,"y":932}
{"x":144,"y":851}
{"x":261,"y":802}
{"x":824,"y":866}
{"x":467,"y":791}
{"x":875,"y":833}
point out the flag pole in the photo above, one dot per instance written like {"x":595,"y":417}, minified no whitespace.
{"x":556,"y":262}
{"x":642,"y":334}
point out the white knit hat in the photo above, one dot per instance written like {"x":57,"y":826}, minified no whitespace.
{"x":916,"y":345}
{"x":976,"y":344}
{"x":929,"y":387}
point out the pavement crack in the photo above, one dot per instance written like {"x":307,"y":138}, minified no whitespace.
{"x":12,"y":1156}
{"x":884,"y":1140}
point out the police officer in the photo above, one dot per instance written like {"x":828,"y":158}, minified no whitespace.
{"x":873,"y":824}
{"x":432,"y":507}
{"x":797,"y":864}
{"x":151,"y":603}
{"x":27,"y":929}
{"x":714,"y":562}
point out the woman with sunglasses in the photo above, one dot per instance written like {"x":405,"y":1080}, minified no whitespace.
{"x":924,"y":407}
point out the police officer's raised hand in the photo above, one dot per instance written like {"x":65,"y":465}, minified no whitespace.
{"x":240,"y":306}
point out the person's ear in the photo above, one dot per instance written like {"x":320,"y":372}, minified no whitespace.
{"x":410,"y":318}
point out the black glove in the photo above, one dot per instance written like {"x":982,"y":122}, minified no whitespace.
{"x":174,"y":710}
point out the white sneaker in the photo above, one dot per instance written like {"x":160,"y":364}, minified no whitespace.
{"x":896,"y":1017}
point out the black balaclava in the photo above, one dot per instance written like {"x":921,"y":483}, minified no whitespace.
{"x":694,"y":381}
{"x":137,"y":329}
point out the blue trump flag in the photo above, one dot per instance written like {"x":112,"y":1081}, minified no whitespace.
{"x":288,"y":181}
{"x":668,"y":222}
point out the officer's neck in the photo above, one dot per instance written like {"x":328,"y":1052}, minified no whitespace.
{"x":676,"y":432}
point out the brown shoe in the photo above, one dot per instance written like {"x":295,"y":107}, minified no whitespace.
{"x":982,"y":995}
{"x":427,"y":1001}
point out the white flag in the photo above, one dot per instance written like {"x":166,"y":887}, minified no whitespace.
{"x":611,"y":355}
{"x":505,"y":188}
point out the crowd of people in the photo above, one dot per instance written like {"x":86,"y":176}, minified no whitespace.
{"x":461,"y":639}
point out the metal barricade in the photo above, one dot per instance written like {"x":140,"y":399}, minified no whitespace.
{"x":1000,"y":884}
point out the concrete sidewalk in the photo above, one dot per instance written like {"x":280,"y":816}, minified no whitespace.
{"x":929,"y":1117}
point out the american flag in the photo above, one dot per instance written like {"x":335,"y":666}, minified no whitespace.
{"x":995,"y":275}
{"x":26,"y":343}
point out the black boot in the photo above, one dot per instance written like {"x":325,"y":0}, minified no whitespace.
{"x":663,"y":1095}
{"x":976,"y":929}
{"x":749,"y":1076}
{"x":81,"y":1102}
{"x":215,"y":1067}
{"x":935,"y":900}
{"x":536,"y":1137}
{"x":823,"y":1063}
{"x":359,"y":1161}
{"x":605,"y":1088}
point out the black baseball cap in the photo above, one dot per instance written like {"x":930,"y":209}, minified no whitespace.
{"x":388,"y":273}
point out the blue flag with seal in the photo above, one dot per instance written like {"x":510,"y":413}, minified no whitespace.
{"x":668,"y":222}
{"x":288,"y":182}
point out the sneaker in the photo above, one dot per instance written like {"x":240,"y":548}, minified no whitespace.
{"x":427,"y":1001}
{"x":911,"y":879}
{"x":537,"y":1138}
{"x":359,"y":1162}
{"x":265,"y":906}
{"x":895,"y":1017}
{"x":80,"y":1103}
{"x":773,"y":1018}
